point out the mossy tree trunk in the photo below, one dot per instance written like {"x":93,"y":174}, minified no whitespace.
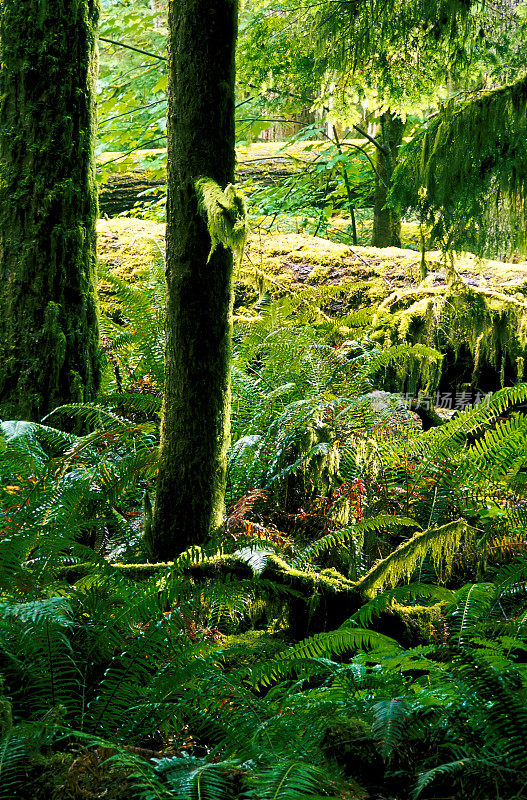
{"x":49,"y":340}
{"x":196,"y":414}
{"x":386,"y":222}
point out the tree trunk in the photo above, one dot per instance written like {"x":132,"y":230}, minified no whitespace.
{"x":386,"y":222}
{"x":48,"y":326}
{"x":196,"y":417}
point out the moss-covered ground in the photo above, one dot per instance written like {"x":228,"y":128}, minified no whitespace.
{"x":128,"y":245}
{"x":478,"y":322}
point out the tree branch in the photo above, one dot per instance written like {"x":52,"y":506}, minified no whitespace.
{"x":129,"y":47}
{"x":371,"y":139}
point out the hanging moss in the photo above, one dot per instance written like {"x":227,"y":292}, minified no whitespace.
{"x":316,"y":453}
{"x":226,"y":216}
{"x":488,"y":326}
{"x":48,"y":328}
{"x":467,"y":174}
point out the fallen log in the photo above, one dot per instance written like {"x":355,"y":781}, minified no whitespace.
{"x":122,"y":191}
{"x":316,"y":600}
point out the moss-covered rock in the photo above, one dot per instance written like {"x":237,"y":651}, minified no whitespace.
{"x":423,"y":623}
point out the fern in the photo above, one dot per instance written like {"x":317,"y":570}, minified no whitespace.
{"x":13,"y":763}
{"x":353,"y":533}
{"x":289,"y":780}
{"x":390,"y":719}
{"x":469,"y":607}
{"x":324,"y":644}
{"x":441,"y":543}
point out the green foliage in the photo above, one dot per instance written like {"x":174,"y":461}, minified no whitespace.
{"x":465,"y":173}
{"x":132,"y":85}
{"x":133,"y":331}
{"x":295,"y":398}
{"x":400,"y":551}
{"x":143,"y":663}
{"x":401,"y":59}
{"x":327,"y":186}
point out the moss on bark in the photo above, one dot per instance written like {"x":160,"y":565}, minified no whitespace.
{"x":195,"y":428}
{"x":48,"y":207}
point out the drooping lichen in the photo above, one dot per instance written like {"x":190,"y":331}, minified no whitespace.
{"x":226,"y":216}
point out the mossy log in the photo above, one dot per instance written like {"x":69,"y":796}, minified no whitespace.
{"x":480,"y":324}
{"x":122,"y":191}
{"x":481,"y":332}
{"x":128,"y":175}
{"x":317,"y":600}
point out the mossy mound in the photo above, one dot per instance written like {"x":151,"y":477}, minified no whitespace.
{"x":479,"y":322}
{"x":308,"y":260}
{"x":127,"y":248}
{"x":292,"y":260}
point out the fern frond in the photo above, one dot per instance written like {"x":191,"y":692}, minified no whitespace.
{"x":449,"y":770}
{"x":13,"y":764}
{"x":441,"y":543}
{"x":390,"y":717}
{"x":334,"y":642}
{"x":469,"y":606}
{"x":292,"y":780}
{"x":505,"y":712}
{"x":351,"y":533}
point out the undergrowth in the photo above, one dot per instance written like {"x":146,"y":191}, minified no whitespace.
{"x":359,"y":631}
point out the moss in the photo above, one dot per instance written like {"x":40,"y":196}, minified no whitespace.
{"x":286,"y":260}
{"x":441,"y":543}
{"x":466,"y":175}
{"x":422,"y":622}
{"x":226,"y":216}
{"x":48,"y":206}
{"x":481,"y":326}
{"x":250,"y":648}
{"x":128,"y":246}
{"x":489,"y":325}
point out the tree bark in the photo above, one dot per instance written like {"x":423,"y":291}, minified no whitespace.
{"x":386,"y":222}
{"x":189,"y":505}
{"x":49,"y":341}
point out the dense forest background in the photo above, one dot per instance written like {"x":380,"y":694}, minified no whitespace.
{"x":263,"y":449}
